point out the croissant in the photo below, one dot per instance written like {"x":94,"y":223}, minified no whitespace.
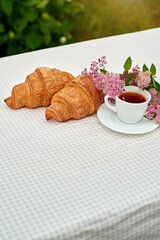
{"x":38,"y":88}
{"x":76,"y":100}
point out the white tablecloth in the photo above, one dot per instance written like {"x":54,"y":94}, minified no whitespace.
{"x":78,"y":179}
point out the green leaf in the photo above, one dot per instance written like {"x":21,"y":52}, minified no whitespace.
{"x":32,"y":16}
{"x":28,"y":3}
{"x":60,"y":2}
{"x":66,"y":26}
{"x":152,"y":79}
{"x":2,"y":29}
{"x":42,"y":3}
{"x":103,"y":71}
{"x":3,"y":39}
{"x":20,"y":24}
{"x":47,"y":39}
{"x":11,"y":48}
{"x":7,"y":6}
{"x":129,"y":78}
{"x":155,"y":83}
{"x":33,"y":40}
{"x":158,"y":91}
{"x":145,"y":68}
{"x":28,"y":13}
{"x":79,"y":8}
{"x":128,"y":64}
{"x":153,"y":69}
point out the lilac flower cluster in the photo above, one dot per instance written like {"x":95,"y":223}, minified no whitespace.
{"x":113,"y":85}
{"x":136,"y":69}
{"x":153,"y":109}
{"x":143,"y":79}
{"x":110,"y":83}
{"x":137,"y":77}
{"x":94,"y":70}
{"x":102,"y":61}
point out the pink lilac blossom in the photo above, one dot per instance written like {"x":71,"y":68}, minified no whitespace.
{"x":158,"y":114}
{"x":102,"y":61}
{"x":133,"y":83}
{"x":113,"y":85}
{"x":94,"y":70}
{"x":136,"y":69}
{"x":110,"y":83}
{"x":85,"y":72}
{"x":95,"y":67}
{"x":127,"y":76}
{"x":111,"y":100}
{"x":153,"y":112}
{"x":158,"y":117}
{"x":99,"y":81}
{"x":150,"y":111}
{"x":149,"y":115}
{"x":155,"y":98}
{"x":158,"y":108}
{"x":143,"y":79}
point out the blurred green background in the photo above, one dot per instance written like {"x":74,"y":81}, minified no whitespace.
{"x":29,"y":25}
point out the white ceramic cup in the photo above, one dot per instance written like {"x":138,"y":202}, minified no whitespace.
{"x":130,"y":112}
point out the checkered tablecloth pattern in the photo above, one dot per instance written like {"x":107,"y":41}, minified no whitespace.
{"x":77,"y":180}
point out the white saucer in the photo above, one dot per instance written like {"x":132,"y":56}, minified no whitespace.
{"x":109,"y":119}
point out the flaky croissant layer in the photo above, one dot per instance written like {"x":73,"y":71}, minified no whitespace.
{"x":76,"y":100}
{"x":38,"y":88}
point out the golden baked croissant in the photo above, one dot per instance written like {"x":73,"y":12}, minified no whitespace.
{"x":76,"y":100}
{"x":38,"y":88}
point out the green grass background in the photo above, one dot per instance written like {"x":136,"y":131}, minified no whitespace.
{"x":111,"y":17}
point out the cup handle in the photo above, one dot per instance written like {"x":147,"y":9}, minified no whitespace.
{"x":109,"y":105}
